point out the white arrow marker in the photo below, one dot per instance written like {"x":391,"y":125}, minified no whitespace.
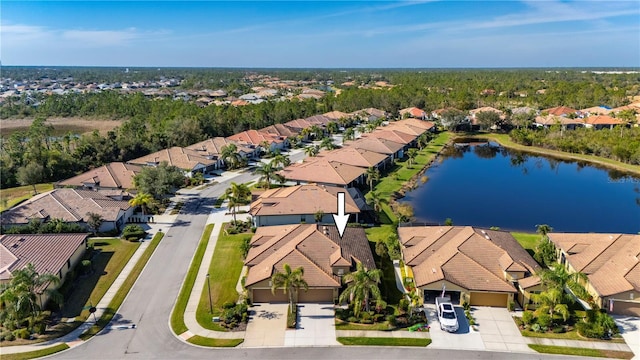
{"x":341,"y":219}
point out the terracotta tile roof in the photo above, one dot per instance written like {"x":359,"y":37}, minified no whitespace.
{"x":211,"y":148}
{"x":281,"y":130}
{"x":405,"y":128}
{"x":554,"y":120}
{"x":413,"y":111}
{"x":601,"y":120}
{"x":323,"y":171}
{"x":299,"y":124}
{"x":610,"y":261}
{"x":393,"y":135}
{"x":353,"y":156}
{"x":47,"y":252}
{"x":471,"y":258}
{"x":255,"y":137}
{"x":422,"y":124}
{"x":371,"y":112}
{"x":70,"y":205}
{"x":182,"y":158}
{"x":319,"y":120}
{"x":309,"y":246}
{"x":560,"y":110}
{"x":336,"y":115}
{"x":113,"y":175}
{"x":382,"y":146}
{"x":596,"y":110}
{"x":484,"y":109}
{"x":301,"y":199}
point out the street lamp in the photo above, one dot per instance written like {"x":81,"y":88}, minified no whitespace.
{"x":209,"y":288}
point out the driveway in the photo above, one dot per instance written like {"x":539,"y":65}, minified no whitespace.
{"x":630,"y":331}
{"x":464,"y":339}
{"x":316,"y":326}
{"x":498,"y":330}
{"x":266,"y":326}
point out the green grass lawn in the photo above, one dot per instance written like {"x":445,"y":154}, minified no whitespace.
{"x":549,"y":349}
{"x":209,"y":342}
{"x":114,"y":255}
{"x":341,"y":325}
{"x":528,"y":241}
{"x":120,"y":295}
{"x":177,"y":316}
{"x":12,"y":196}
{"x":390,"y":292}
{"x":505,"y":140}
{"x":224,"y":272}
{"x":383,"y":341}
{"x":35,"y":354}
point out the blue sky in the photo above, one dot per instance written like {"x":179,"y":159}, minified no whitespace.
{"x":541,"y":33}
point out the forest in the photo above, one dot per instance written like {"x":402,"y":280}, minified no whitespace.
{"x":153,"y":124}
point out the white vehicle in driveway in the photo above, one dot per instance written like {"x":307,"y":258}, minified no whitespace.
{"x":446,"y":314}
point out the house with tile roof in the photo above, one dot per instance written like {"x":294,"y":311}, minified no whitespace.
{"x":300,"y":204}
{"x":416,"y":123}
{"x":369,"y":114}
{"x":596,"y":110}
{"x":55,"y":254}
{"x":318,"y":249}
{"x":413,"y":112}
{"x":190,"y":161}
{"x":323,"y":172}
{"x":560,"y":111}
{"x":281,"y":130}
{"x":393,"y":134}
{"x":611,"y":264}
{"x":112,"y":176}
{"x":599,"y":122}
{"x":356,"y":157}
{"x":336,"y":115}
{"x":551,"y":120}
{"x":481,"y":267}
{"x":72,"y":206}
{"x":383,"y":146}
{"x":212,"y":149}
{"x":258,"y":139}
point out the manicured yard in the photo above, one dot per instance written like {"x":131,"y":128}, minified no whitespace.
{"x":35,"y":354}
{"x":114,"y":255}
{"x":375,"y":341}
{"x":120,"y":295}
{"x":177,"y":316}
{"x":341,"y":325}
{"x":204,"y":341}
{"x":549,"y":349}
{"x":224,"y":271}
{"x":13,"y":196}
{"x":528,"y":241}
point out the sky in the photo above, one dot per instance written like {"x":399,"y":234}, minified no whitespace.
{"x":322,"y":34}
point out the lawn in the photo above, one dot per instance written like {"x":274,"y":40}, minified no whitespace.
{"x":375,"y":341}
{"x":122,"y":292}
{"x":35,"y":354}
{"x":12,"y":196}
{"x":113,"y":255}
{"x":528,"y":241}
{"x":224,"y":270}
{"x":549,"y":349}
{"x":209,"y":342}
{"x":388,"y":287}
{"x":177,"y":316}
{"x":341,"y":325}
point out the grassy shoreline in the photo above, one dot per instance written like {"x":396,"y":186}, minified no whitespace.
{"x":504,"y":140}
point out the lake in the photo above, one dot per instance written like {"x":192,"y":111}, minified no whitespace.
{"x":486,"y":185}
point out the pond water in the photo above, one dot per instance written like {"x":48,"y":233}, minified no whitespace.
{"x":486,"y":185}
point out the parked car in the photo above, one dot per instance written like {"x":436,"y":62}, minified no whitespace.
{"x":446,"y":314}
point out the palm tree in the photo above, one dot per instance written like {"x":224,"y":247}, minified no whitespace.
{"x":237,"y":194}
{"x":554,"y":298}
{"x":375,"y":200}
{"x":141,"y":199}
{"x":423,"y":140}
{"x":267,"y":173}
{"x":327,"y":143}
{"x":316,"y":131}
{"x":280,"y":160}
{"x":312,"y":150}
{"x":552,"y":301}
{"x":412,"y":153}
{"x":349,"y":134}
{"x":362,"y":286}
{"x":373,"y":175}
{"x":543,"y":229}
{"x":332,"y":127}
{"x":291,"y":281}
{"x":230,"y":156}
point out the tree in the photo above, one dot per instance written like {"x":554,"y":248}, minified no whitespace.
{"x":332,"y":127}
{"x":159,"y":180}
{"x":362,"y":285}
{"x":375,"y":200}
{"x":628,"y":118}
{"x":372,"y":175}
{"x":318,"y":216}
{"x":141,"y":199}
{"x":423,"y":140}
{"x":349,"y":134}
{"x":31,"y":174}
{"x":551,"y":301}
{"x":523,"y":119}
{"x":412,"y":154}
{"x":312,"y":150}
{"x":405,"y":212}
{"x":487,"y":119}
{"x":230,"y":156}
{"x":94,"y":221}
{"x":543,"y":229}
{"x":291,"y":281}
{"x":280,"y":161}
{"x":267,"y":173}
{"x":554,"y":298}
{"x":237,"y":194}
{"x":327,"y":143}
{"x":452,"y":118}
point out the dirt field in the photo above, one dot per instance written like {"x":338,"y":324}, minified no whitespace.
{"x":61,"y":125}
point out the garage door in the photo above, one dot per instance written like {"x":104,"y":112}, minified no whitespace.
{"x":626,"y":308}
{"x":316,"y":295}
{"x":489,"y":299}
{"x":265,"y":295}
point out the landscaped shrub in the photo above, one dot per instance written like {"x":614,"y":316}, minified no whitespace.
{"x":133,"y":232}
{"x":378,"y":318}
{"x":403,"y":305}
{"x":544,"y":320}
{"x":23,"y":333}
{"x":466,"y":306}
{"x":228,"y":305}
{"x":558,"y":329}
{"x":392,"y":320}
{"x":86,"y":266}
{"x":590,"y":330}
{"x":8,"y":336}
{"x":230,"y":317}
{"x":536,"y":328}
{"x":511,"y":305}
{"x":352,"y":319}
{"x":527,"y":317}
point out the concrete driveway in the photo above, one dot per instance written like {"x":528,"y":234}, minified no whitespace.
{"x":266,"y":326}
{"x":630,"y":331}
{"x":316,"y":326}
{"x":498,"y":330}
{"x":464,"y":339}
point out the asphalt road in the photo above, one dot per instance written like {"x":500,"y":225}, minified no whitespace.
{"x":151,"y":300}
